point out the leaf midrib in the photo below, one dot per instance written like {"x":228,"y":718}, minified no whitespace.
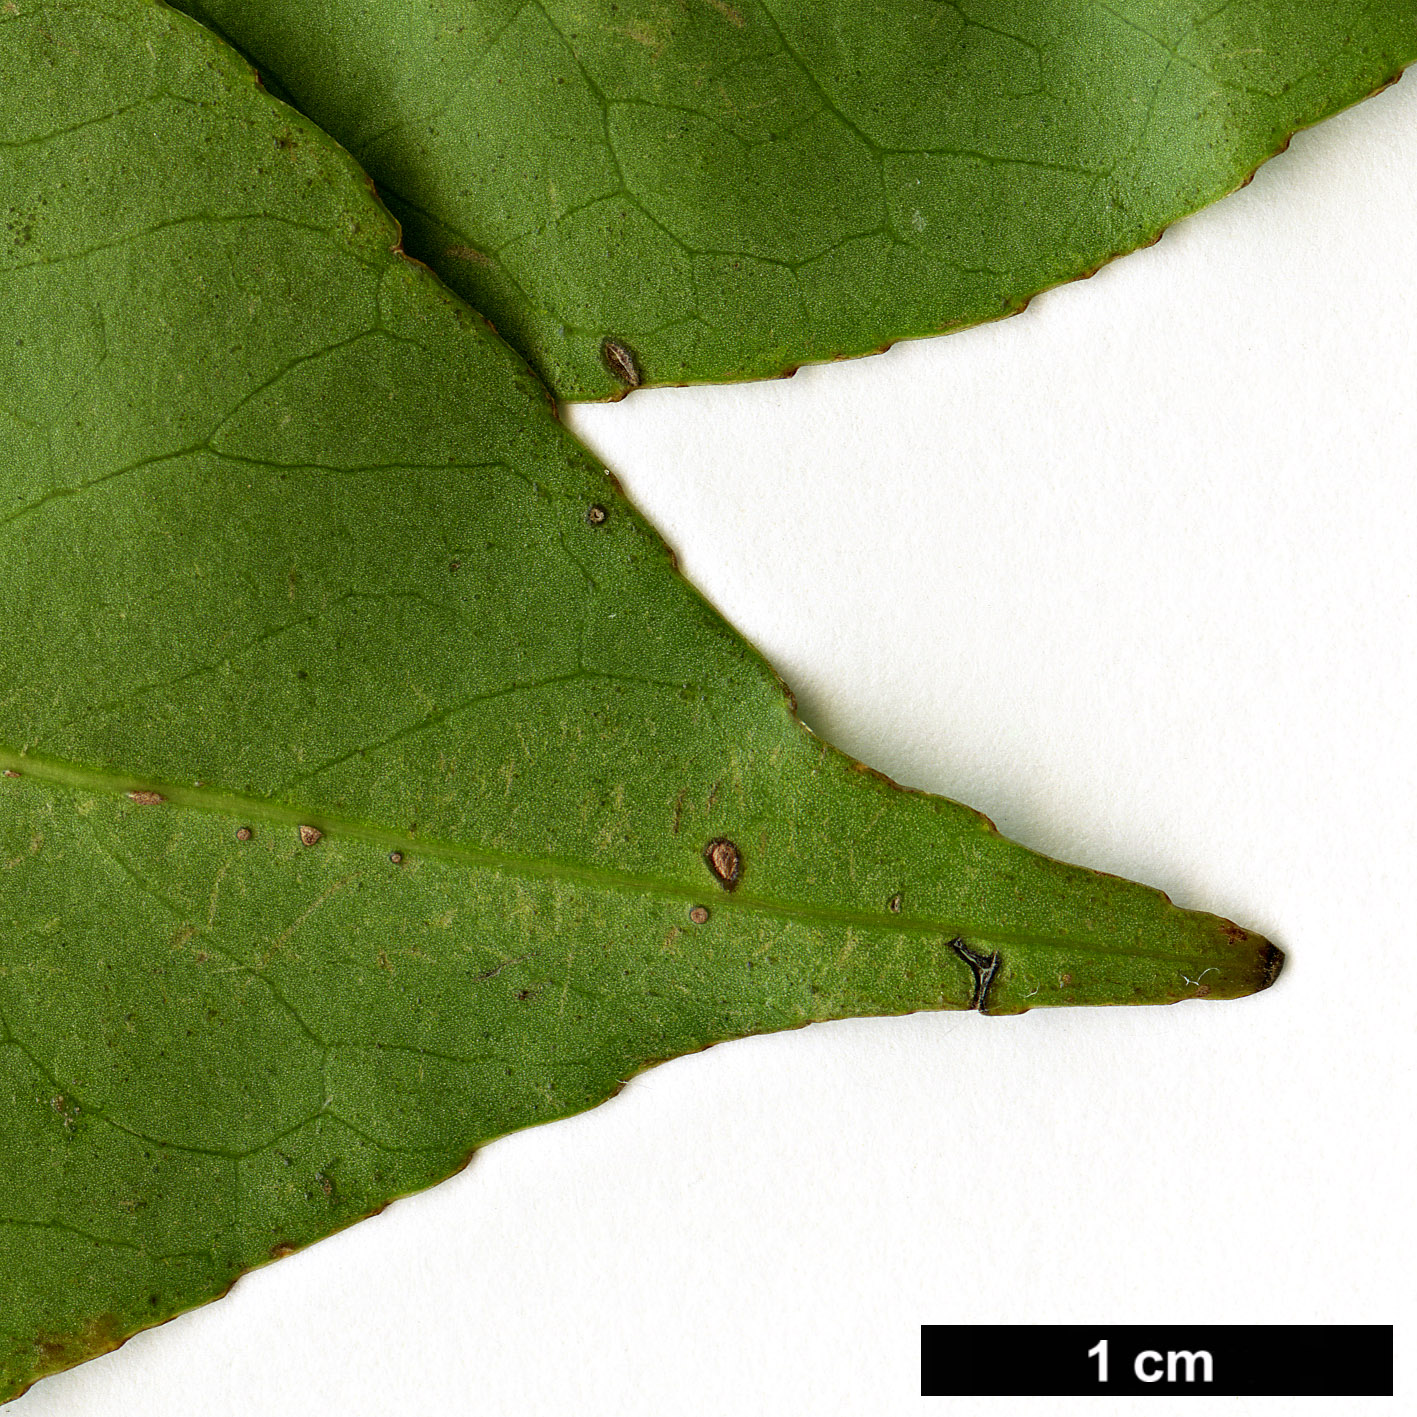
{"x":256,"y":809}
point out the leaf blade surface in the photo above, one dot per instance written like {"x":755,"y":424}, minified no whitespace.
{"x":374,"y":785}
{"x":729,"y":191}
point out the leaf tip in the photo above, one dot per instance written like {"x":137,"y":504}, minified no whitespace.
{"x":1271,"y":964}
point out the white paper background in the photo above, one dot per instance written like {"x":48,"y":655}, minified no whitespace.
{"x":1133,"y":574}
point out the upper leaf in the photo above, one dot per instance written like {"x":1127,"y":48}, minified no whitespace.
{"x":664,"y":191}
{"x":373,"y":784}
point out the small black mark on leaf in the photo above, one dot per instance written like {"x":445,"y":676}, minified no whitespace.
{"x":984,"y":968}
{"x":725,"y":861}
{"x":243,"y":833}
{"x":1273,"y":965}
{"x":894,"y":904}
{"x":310,"y":835}
{"x":455,"y":566}
{"x":147,"y":799}
{"x":699,"y":915}
{"x":620,"y":360}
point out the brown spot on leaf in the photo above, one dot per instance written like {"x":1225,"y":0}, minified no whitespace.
{"x":596,"y":515}
{"x":310,"y":835}
{"x":396,"y":857}
{"x":699,"y":915}
{"x":243,"y":833}
{"x":147,"y":799}
{"x":10,"y":772}
{"x":280,"y":1250}
{"x":894,"y":904}
{"x":620,"y":360}
{"x":725,"y":861}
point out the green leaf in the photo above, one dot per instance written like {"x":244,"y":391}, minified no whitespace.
{"x":373,"y":784}
{"x":664,"y":191}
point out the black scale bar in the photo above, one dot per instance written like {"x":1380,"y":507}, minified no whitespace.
{"x":1202,"y":1360}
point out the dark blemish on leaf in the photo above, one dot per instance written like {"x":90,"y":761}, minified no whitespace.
{"x":280,"y":1249}
{"x":597,"y":515}
{"x":1271,"y":965}
{"x":325,"y":1183}
{"x":984,"y":968}
{"x":497,"y":969}
{"x":310,"y":835}
{"x":454,"y":566}
{"x":699,"y":915}
{"x":10,"y":772}
{"x":725,"y":861}
{"x":301,"y":674}
{"x":243,"y":833}
{"x":396,"y":857}
{"x":147,"y":799}
{"x":894,"y":904}
{"x":620,"y":360}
